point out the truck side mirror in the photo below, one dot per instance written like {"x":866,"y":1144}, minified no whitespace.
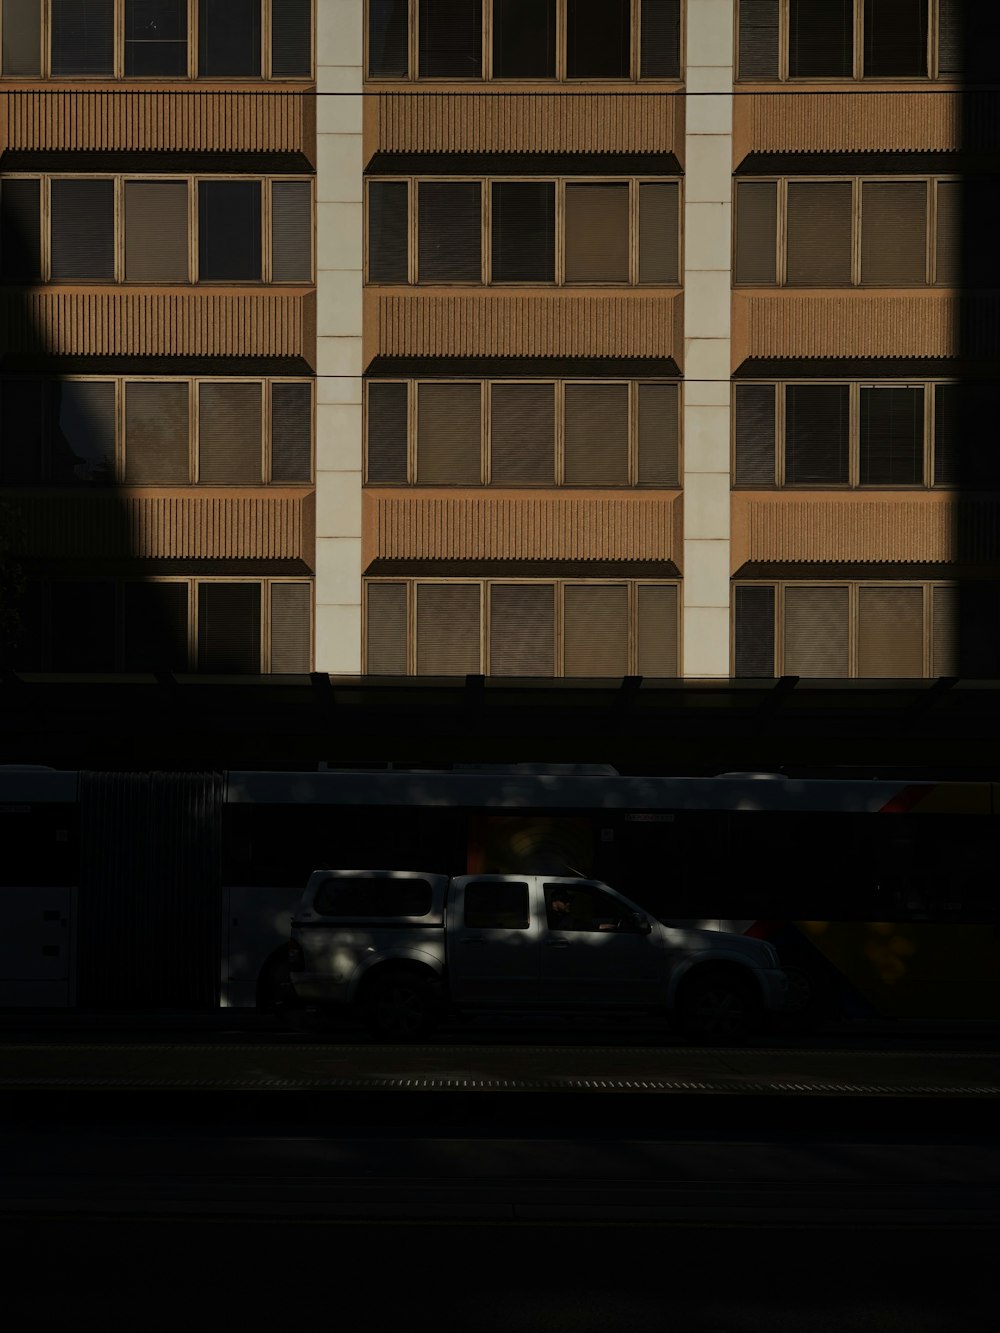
{"x":642,"y":924}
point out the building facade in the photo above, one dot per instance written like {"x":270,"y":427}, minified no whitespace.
{"x":529,"y":338}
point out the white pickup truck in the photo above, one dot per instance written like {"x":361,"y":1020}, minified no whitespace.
{"x":399,"y":948}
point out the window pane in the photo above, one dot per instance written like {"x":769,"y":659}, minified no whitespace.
{"x":963,"y":454}
{"x":658,"y":423}
{"x":83,"y":231}
{"x":658,"y":215}
{"x":291,"y":39}
{"x":21,"y":450}
{"x":448,"y":627}
{"x":524,"y":39}
{"x":156,"y":231}
{"x":449,"y":434}
{"x":756,"y":231}
{"x":597,"y":233}
{"x":596,"y":435}
{"x":387,"y":231}
{"x":81,"y":431}
{"x":229,"y":628}
{"x":816,"y":434}
{"x":522,"y":434}
{"x":598,"y":38}
{"x":596,"y":630}
{"x":754,"y":434}
{"x":20,"y":230}
{"x":386,"y":629}
{"x":758,"y":39}
{"x":523,"y":225}
{"x":451,"y":39}
{"x":156,"y":434}
{"x":754,"y":631}
{"x":500,"y":905}
{"x":387,"y":434}
{"x":83,"y":627}
{"x":816,"y":632}
{"x":83,"y":39}
{"x":156,"y":627}
{"x":895,"y":38}
{"x":450,"y":231}
{"x":371,"y":897}
{"x":950,"y":208}
{"x":291,"y":628}
{"x":894,"y":233}
{"x":229,"y":242}
{"x":22,"y":37}
{"x":229,"y":434}
{"x":656,"y":630}
{"x":291,"y":432}
{"x":388,"y":35}
{"x":819,"y":233}
{"x":890,"y":632}
{"x":660,"y":39}
{"x":156,"y":37}
{"x":522,"y":629}
{"x":892,"y":437}
{"x":821,"y":39}
{"x":229,"y":38}
{"x":291,"y":231}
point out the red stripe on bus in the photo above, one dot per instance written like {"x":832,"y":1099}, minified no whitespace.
{"x":906,"y":800}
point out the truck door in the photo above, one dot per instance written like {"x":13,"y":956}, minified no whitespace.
{"x":594,"y":954}
{"x":493,"y":942}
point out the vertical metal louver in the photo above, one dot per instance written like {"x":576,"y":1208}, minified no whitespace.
{"x":290,"y":638}
{"x":595,"y":619}
{"x":522,"y":629}
{"x":597,"y":233}
{"x":388,"y":212}
{"x":890,"y":632}
{"x":20,"y":231}
{"x":755,"y":424}
{"x":291,"y":432}
{"x":449,"y":434}
{"x":756,"y":231}
{"x":660,"y":39}
{"x":596,"y":447}
{"x":817,"y":434}
{"x":821,"y":39}
{"x":22,"y":38}
{"x":291,"y":39}
{"x":291,"y":231}
{"x":156,"y":231}
{"x":83,"y":37}
{"x":754,"y":631}
{"x":948,"y":244}
{"x":656,"y":630}
{"x":388,"y":39}
{"x":450,"y":38}
{"x":819,"y":233}
{"x":21,"y":432}
{"x":387,"y":629}
{"x":449,"y":231}
{"x":892,"y":436}
{"x":659,"y":418}
{"x":758,"y":39}
{"x":894,"y":233}
{"x":658,"y":232}
{"x":229,"y":39}
{"x":387,"y":433}
{"x":157,"y":433}
{"x":522,"y":434}
{"x":81,"y":432}
{"x":816,"y":632}
{"x":230,"y":421}
{"x":83,"y":230}
{"x":523,"y":230}
{"x":448,"y":629}
{"x":229,"y":628}
{"x":155,"y":621}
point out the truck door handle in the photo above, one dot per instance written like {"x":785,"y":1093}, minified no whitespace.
{"x":557,"y":944}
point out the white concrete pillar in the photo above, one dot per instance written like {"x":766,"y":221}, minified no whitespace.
{"x":707,"y":328}
{"x":339,"y":202}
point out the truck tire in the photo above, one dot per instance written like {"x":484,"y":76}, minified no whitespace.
{"x":719,"y":1008}
{"x":400,"y":1006}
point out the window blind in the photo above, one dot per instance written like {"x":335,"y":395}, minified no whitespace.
{"x":895,"y":38}
{"x":388,"y":38}
{"x":156,"y":433}
{"x":892,"y":436}
{"x":658,"y":430}
{"x":660,"y":39}
{"x":524,"y":39}
{"x":595,"y":630}
{"x":156,"y":38}
{"x":597,"y":233}
{"x":890,"y":632}
{"x":83,"y":230}
{"x":81,"y":432}
{"x":966,"y":634}
{"x":448,"y":629}
{"x":20,"y":231}
{"x":522,"y":629}
{"x":656,"y":629}
{"x":598,"y":39}
{"x":816,"y":632}
{"x":758,"y":39}
{"x":949,"y":246}
{"x":596,"y":449}
{"x":450,"y":39}
{"x":821,"y":39}
{"x":83,"y":38}
{"x":387,"y":633}
{"x":291,"y":39}
{"x":523,"y":227}
{"x":658,"y":232}
{"x":951,"y":39}
{"x":291,"y":628}
{"x":449,"y":434}
{"x":819,"y":233}
{"x":756,"y":231}
{"x":229,"y":434}
{"x":387,"y":433}
{"x":387,"y":231}
{"x":950,"y":467}
{"x":22,"y":37}
{"x":291,"y":231}
{"x":945,"y":642}
{"x":754,"y":631}
{"x":229,"y":38}
{"x":229,"y":231}
{"x":816,"y":434}
{"x":522,"y":434}
{"x":755,"y":422}
{"x":21,"y":439}
{"x":229,"y":628}
{"x":156,"y":231}
{"x":155,"y":623}
{"x":894,"y":233}
{"x":449,"y":231}
{"x":291,"y":432}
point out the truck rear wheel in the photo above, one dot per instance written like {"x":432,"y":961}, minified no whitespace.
{"x":719,"y":1008}
{"x":400,"y":1006}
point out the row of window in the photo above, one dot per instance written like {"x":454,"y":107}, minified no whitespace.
{"x":855,"y":39}
{"x":99,"y":432}
{"x":869,"y":630}
{"x":841,"y":233}
{"x":533,"y":433}
{"x":524,"y":39}
{"x":121,"y":229}
{"x":482,"y":231}
{"x":240,"y":627}
{"x":428,"y":627}
{"x":864,"y":435}
{"x":145,"y":39}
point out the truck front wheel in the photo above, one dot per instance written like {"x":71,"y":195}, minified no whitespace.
{"x":719,"y":1007}
{"x":400,"y":1006}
